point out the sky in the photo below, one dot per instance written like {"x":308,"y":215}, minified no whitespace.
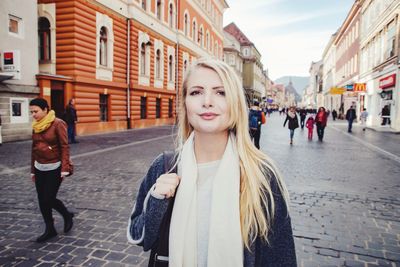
{"x":289,"y":34}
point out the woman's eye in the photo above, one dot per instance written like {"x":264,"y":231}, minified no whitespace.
{"x":220,"y":92}
{"x":194,"y":93}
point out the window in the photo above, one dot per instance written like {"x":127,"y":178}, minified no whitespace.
{"x":200,"y":39}
{"x":208,"y":41}
{"x":194,"y":31}
{"x":186,"y":25}
{"x":143,"y":108}
{"x":184,"y":67}
{"x":143,"y":59}
{"x":170,"y":69}
{"x":170,"y":103}
{"x":19,"y":110}
{"x":159,"y":9}
{"x":103,"y":107}
{"x":13,"y":24}
{"x":158,"y":107}
{"x":44,"y":39}
{"x":103,"y":46}
{"x":144,"y":4}
{"x":391,"y":40}
{"x":158,"y":64}
{"x":171,"y":15}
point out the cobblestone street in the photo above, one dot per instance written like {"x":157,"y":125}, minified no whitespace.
{"x":345,"y":202}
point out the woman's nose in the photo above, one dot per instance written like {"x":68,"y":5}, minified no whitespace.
{"x":207,"y":100}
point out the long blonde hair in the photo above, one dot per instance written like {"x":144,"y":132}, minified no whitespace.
{"x":256,"y":168}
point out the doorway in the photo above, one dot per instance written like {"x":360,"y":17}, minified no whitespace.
{"x":57,"y":98}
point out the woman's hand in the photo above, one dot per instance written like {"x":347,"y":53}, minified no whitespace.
{"x":166,"y":184}
{"x":33,"y":177}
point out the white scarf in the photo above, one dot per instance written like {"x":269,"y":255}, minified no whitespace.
{"x":225,"y":245}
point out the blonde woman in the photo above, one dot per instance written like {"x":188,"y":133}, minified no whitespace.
{"x":230,"y":208}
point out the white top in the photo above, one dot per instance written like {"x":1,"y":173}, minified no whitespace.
{"x":206,"y":174}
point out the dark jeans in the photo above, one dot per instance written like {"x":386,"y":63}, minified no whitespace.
{"x":71,"y":133}
{"x":302,"y":122}
{"x":255,"y":136}
{"x":320,"y":131}
{"x":47,"y":184}
{"x":350,"y":126}
{"x":291,"y":131}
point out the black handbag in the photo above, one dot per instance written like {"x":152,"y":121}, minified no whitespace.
{"x":160,"y":252}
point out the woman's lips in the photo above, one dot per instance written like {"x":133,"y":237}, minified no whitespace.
{"x":208,"y":116}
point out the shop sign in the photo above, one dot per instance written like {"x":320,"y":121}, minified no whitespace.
{"x":360,"y":87}
{"x":337,"y":90}
{"x":349,"y":87}
{"x":388,"y":81}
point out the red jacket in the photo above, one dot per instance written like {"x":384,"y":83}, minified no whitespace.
{"x":51,"y":146}
{"x":321,"y":118}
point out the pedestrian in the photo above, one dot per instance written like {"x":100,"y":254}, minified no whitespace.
{"x":256,"y":119}
{"x":334,"y":114}
{"x":385,"y":115}
{"x":303,"y":115}
{"x":230,"y":208}
{"x":310,"y":126}
{"x":50,"y":164}
{"x":350,"y":117}
{"x":71,"y":118}
{"x":321,"y":120}
{"x":293,"y":122}
{"x":363,"y":118}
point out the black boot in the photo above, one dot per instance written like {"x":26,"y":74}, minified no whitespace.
{"x":68,"y":222}
{"x":49,"y":232}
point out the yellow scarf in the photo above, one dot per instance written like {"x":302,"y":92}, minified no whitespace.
{"x":43,"y":124}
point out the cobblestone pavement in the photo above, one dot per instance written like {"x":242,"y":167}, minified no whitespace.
{"x":344,"y":197}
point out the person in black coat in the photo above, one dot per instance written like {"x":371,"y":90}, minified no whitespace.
{"x":71,"y":119}
{"x":303,"y":115}
{"x":293,"y":122}
{"x":350,"y":117}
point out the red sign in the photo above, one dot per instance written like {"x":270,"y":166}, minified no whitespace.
{"x":388,"y":81}
{"x":8,"y":58}
{"x":360,"y":87}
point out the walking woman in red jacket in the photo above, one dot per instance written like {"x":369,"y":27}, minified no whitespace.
{"x":320,"y":120}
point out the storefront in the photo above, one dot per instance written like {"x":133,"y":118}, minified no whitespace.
{"x":387,"y":87}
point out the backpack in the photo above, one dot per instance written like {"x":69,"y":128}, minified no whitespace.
{"x":254,"y":119}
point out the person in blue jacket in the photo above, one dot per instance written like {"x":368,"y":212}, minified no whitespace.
{"x":230,"y":202}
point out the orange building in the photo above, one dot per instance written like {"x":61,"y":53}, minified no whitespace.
{"x":123,"y":62}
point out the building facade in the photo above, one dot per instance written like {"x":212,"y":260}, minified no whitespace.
{"x":19,"y":65}
{"x":252,"y":66}
{"x":347,"y":43}
{"x":379,"y":70}
{"x":122,"y":61}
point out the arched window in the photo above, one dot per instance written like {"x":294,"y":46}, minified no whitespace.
{"x":184,"y":67}
{"x":171,"y":15}
{"x":158,"y":64}
{"x":159,"y":9}
{"x":194,"y":31}
{"x":186,"y":23}
{"x":103,"y":46}
{"x":44,"y":39}
{"x":200,"y":40}
{"x":143,"y":59}
{"x":208,"y":41}
{"x":170,"y":69}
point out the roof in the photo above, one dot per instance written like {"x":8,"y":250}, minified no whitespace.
{"x":237,"y":33}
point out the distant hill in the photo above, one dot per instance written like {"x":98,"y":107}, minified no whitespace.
{"x":299,"y":82}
